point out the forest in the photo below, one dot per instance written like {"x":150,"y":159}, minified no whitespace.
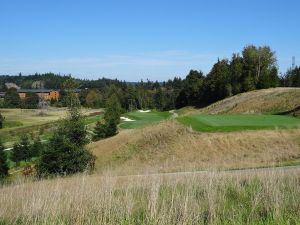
{"x":254,"y":68}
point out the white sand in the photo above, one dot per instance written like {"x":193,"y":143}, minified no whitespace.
{"x":144,"y":111}
{"x":125,"y":119}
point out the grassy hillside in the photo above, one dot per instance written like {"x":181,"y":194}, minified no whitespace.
{"x":267,"y":101}
{"x":170,"y":146}
{"x":37,"y":122}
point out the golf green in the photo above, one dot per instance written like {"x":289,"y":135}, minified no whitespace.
{"x":238,"y":122}
{"x":142,"y":119}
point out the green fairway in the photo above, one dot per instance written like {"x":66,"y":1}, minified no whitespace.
{"x":210,"y":123}
{"x":92,"y":119}
{"x":142,"y":119}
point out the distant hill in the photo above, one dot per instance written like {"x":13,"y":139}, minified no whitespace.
{"x":269,"y":101}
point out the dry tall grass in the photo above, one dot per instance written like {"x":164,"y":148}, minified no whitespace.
{"x":269,"y":197}
{"x":170,"y":146}
{"x":259,"y":101}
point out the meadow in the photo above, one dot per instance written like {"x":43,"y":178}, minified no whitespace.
{"x":237,"y":197}
{"x":37,"y":122}
{"x":220,"y":122}
{"x":143,"y":119}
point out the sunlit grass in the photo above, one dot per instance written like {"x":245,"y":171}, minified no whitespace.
{"x":212,"y":123}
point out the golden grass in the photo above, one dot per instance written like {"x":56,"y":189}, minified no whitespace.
{"x":266,"y":197}
{"x":271,"y":100}
{"x":169,"y":146}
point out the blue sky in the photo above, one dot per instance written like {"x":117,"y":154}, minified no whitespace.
{"x":139,"y":39}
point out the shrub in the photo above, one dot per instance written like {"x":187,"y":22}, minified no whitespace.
{"x":2,"y":118}
{"x":3,"y":163}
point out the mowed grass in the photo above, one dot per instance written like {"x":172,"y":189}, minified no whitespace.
{"x":143,"y":119}
{"x":211,"y":123}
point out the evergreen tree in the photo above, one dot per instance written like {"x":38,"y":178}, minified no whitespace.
{"x":218,"y":82}
{"x":159,"y":99}
{"x":2,"y":118}
{"x":111,"y":119}
{"x":12,"y":99}
{"x":292,"y":77}
{"x":236,"y":73}
{"x":31,"y":101}
{"x":93,"y":99}
{"x":100,"y":131}
{"x":21,"y":150}
{"x":193,"y":87}
{"x":111,"y":128}
{"x":66,"y":152}
{"x":36,"y":148}
{"x":3,"y":163}
{"x":113,"y":109}
{"x":62,"y":157}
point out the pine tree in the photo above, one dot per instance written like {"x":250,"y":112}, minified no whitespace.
{"x":3,"y":163}
{"x":111,"y":119}
{"x":12,"y":99}
{"x":99,"y":131}
{"x":36,"y":148}
{"x":21,"y":150}
{"x":113,"y":109}
{"x":2,"y":118}
{"x":66,"y":152}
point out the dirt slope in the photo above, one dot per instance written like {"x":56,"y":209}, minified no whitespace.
{"x":273,"y":100}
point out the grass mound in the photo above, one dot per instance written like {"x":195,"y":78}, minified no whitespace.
{"x":267,"y":101}
{"x":212,"y":123}
{"x":170,"y":146}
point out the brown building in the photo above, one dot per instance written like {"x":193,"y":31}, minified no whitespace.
{"x":45,"y":94}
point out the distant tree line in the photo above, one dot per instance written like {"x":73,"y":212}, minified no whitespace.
{"x":291,"y":78}
{"x":254,"y":68}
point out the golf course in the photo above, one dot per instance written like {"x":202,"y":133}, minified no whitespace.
{"x":139,"y":119}
{"x":214,"y":123}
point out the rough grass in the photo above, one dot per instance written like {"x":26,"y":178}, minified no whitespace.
{"x":213,"y":123}
{"x":32,"y":121}
{"x":170,"y":146}
{"x":143,"y":119}
{"x":267,"y":101}
{"x":186,"y":110}
{"x":208,"y":198}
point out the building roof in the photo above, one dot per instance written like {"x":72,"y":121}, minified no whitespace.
{"x":41,"y":90}
{"x":34,"y":90}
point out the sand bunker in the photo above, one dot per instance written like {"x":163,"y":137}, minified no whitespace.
{"x":125,"y":119}
{"x":144,"y":111}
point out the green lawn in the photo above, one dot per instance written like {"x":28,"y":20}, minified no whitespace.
{"x":92,"y":119}
{"x":143,"y":119}
{"x":210,"y":123}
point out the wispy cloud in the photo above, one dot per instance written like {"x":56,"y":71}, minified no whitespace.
{"x":154,"y":65}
